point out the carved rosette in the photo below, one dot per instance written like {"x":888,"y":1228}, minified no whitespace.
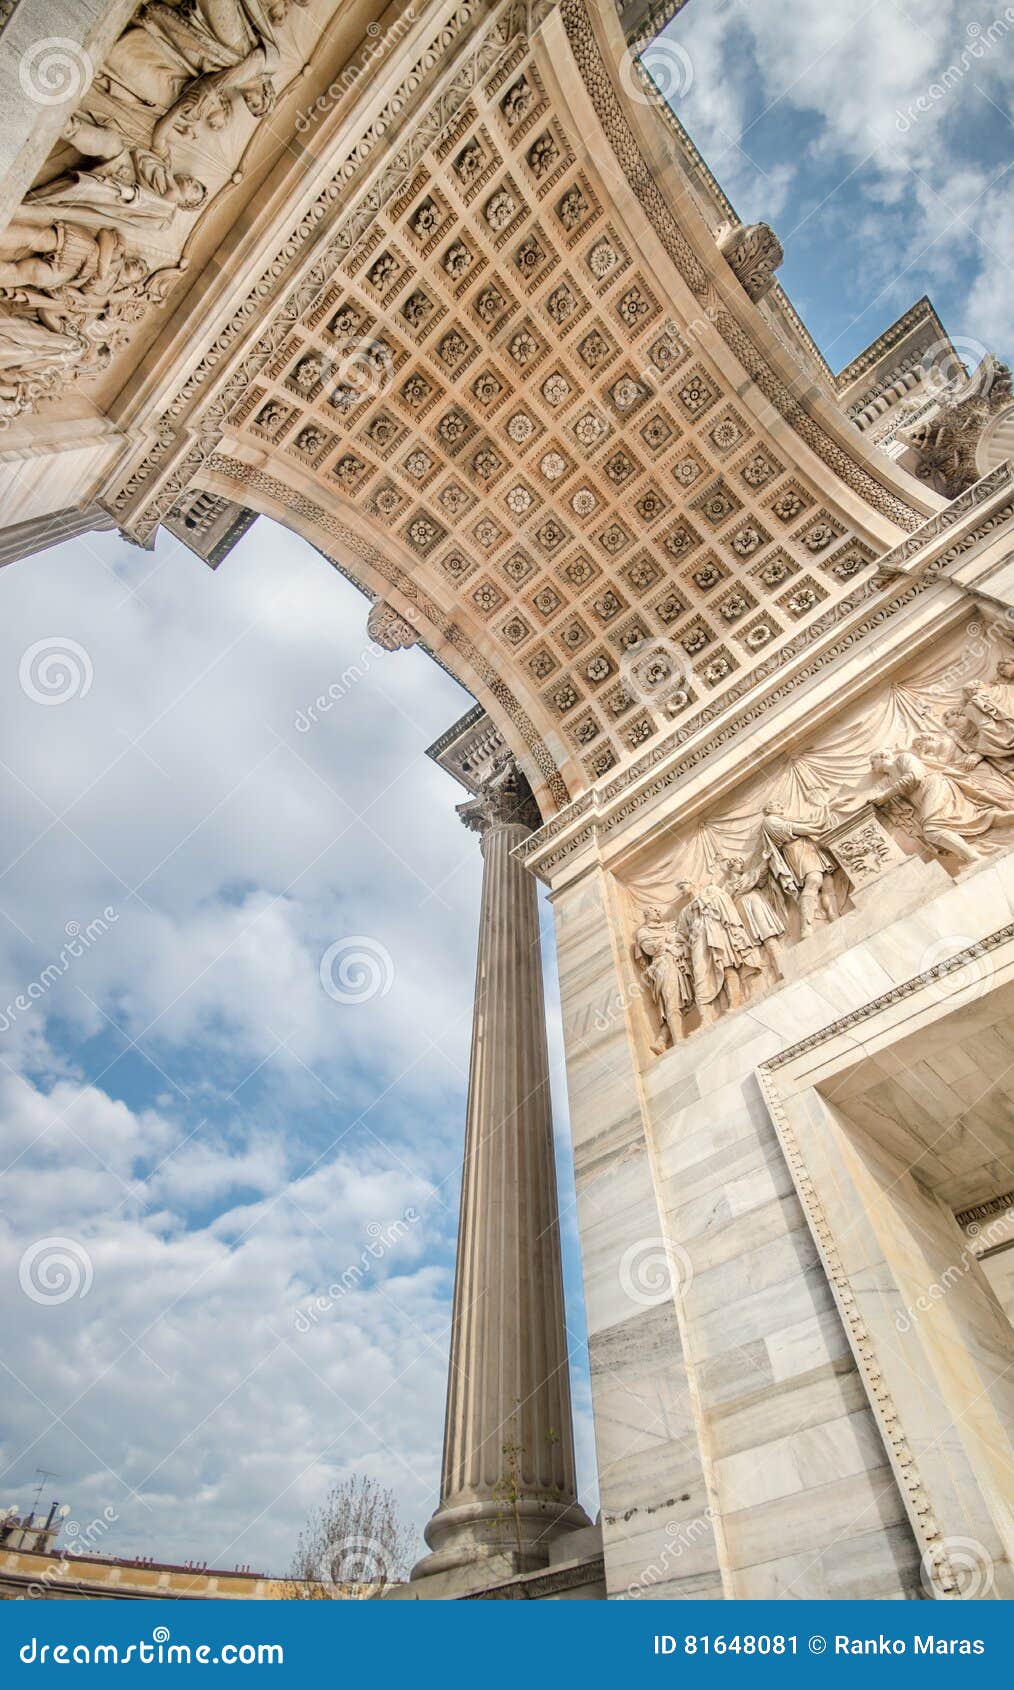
{"x":753,"y":252}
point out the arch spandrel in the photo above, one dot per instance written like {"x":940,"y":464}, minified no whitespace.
{"x":501,"y":351}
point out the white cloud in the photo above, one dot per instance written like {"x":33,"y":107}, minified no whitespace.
{"x":888,"y":95}
{"x":242,"y":1155}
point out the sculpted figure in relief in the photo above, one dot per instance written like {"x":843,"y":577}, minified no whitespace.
{"x":986,"y":718}
{"x":796,"y":863}
{"x":946,"y":813}
{"x":185,"y":61}
{"x":75,"y":266}
{"x":718,"y":945}
{"x":34,"y":359}
{"x":127,"y":187}
{"x":65,"y":255}
{"x":665,"y":951}
{"x":761,"y":920}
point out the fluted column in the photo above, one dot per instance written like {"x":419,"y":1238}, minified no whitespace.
{"x":508,"y":1483}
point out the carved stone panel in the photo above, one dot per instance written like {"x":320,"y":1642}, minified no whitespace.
{"x":863,"y":848}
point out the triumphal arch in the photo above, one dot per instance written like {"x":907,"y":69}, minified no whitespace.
{"x":447,"y":289}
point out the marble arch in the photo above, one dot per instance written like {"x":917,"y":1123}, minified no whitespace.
{"x":447,"y":288}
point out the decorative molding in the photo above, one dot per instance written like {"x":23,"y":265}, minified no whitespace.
{"x":897,"y":994}
{"x":894,"y":561}
{"x":982,"y":1211}
{"x":903,"y":1462}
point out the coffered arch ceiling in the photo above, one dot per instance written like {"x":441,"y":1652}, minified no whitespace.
{"x":502,"y":374}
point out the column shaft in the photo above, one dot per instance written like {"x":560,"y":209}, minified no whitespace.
{"x":508,"y":1483}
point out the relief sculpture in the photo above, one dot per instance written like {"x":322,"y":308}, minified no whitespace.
{"x":827,"y":828}
{"x":98,"y":237}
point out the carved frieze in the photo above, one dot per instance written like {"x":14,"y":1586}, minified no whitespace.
{"x":98,"y":240}
{"x":924,"y":768}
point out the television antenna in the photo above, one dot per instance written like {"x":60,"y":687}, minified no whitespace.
{"x":44,"y":1474}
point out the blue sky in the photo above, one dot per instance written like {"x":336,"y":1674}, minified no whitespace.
{"x":809,"y":114}
{"x":185,"y":1102}
{"x":217,"y":1135}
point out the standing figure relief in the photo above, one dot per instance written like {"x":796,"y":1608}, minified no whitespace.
{"x":946,"y":791}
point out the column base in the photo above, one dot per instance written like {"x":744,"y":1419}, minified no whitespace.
{"x":483,"y":1541}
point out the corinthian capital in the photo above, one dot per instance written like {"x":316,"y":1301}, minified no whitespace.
{"x":504,"y":799}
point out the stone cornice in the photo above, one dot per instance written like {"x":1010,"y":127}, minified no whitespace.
{"x":999,"y":481}
{"x":921,"y":312}
{"x":967,"y":1218}
{"x":897,"y":994}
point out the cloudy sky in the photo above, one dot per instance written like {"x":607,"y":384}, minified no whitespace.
{"x":214,"y":1134}
{"x":217,"y":1134}
{"x":875,"y":135}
